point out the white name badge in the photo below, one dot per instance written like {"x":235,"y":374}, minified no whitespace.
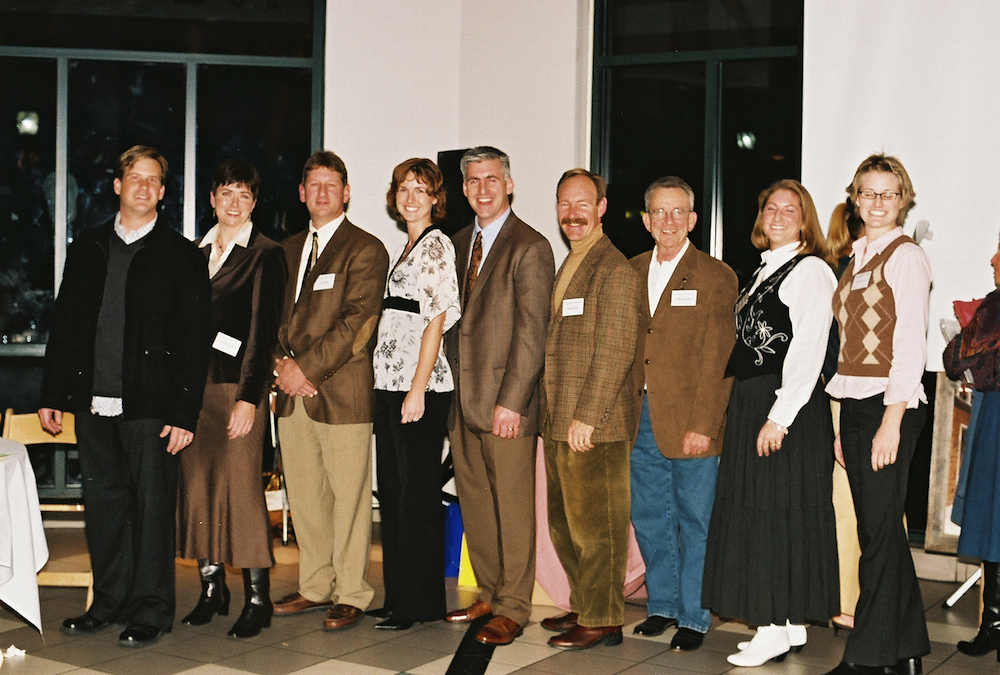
{"x":227,"y":344}
{"x":572,"y":307}
{"x":324,"y":282}
{"x":861,"y":281}
{"x":683,"y":298}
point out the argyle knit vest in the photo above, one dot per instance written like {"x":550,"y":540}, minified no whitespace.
{"x":867,"y":317}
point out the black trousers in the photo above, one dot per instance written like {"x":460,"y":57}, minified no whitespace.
{"x":889,"y":622}
{"x":130,"y":497}
{"x":408,"y":466}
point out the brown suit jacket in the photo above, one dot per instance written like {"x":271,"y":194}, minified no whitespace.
{"x":497,"y":349}
{"x":331,"y":333}
{"x":683,"y":352}
{"x":588,"y":358}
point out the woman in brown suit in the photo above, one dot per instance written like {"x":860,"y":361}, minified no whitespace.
{"x":221,"y":515}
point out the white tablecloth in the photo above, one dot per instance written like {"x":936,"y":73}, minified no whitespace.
{"x":23,"y":550}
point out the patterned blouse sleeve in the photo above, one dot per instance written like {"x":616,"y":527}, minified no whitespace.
{"x":438,"y":280}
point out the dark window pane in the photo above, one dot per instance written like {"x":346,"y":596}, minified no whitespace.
{"x":761,"y":143}
{"x":113,"y":106}
{"x":645,"y":26}
{"x":656,"y":127}
{"x":250,"y":27}
{"x":27,"y":197}
{"x":260,"y":115}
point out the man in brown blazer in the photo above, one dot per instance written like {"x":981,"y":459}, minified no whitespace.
{"x":496,"y":352}
{"x":590,"y":416}
{"x":337,"y":276}
{"x":686,"y":332}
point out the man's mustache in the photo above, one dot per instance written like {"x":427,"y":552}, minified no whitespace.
{"x":573,"y":221}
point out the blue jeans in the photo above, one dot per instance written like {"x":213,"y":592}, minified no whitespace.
{"x":671,"y":508}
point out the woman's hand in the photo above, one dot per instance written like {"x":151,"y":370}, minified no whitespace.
{"x":769,"y":439}
{"x":413,"y":406}
{"x":885,"y":445}
{"x":838,"y":451}
{"x":241,"y":419}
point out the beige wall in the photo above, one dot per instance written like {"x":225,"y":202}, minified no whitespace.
{"x":410,"y":79}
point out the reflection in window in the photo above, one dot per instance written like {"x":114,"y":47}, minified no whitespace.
{"x":27,"y":197}
{"x":262,"y":116}
{"x":113,"y":106}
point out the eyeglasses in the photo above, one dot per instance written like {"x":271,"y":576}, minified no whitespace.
{"x":887,"y":196}
{"x":663,"y":214}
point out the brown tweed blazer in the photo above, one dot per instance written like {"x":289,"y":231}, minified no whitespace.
{"x":683,"y":352}
{"x":588,"y":357}
{"x":331,"y":333}
{"x":497,"y":349}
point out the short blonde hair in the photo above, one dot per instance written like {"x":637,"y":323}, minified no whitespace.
{"x":886,"y":164}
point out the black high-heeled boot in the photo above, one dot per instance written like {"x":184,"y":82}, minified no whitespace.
{"x":257,"y":607}
{"x":214,"y":594}
{"x":988,"y":637}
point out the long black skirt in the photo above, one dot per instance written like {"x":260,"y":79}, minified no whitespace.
{"x":772,"y":541}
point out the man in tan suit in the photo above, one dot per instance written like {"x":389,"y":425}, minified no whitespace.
{"x":590,"y":415}
{"x":686,"y":332}
{"x":496,"y":352}
{"x":337,"y":275}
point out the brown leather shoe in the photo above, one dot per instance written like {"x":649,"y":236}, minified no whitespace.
{"x":296,"y":603}
{"x":341,"y":616}
{"x":500,"y":630}
{"x":584,"y":637}
{"x":561,"y":623}
{"x":470,"y":613}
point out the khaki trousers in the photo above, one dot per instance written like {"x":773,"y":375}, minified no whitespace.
{"x":329,"y":477}
{"x":848,"y":548}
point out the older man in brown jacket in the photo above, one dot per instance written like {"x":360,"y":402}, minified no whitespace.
{"x":337,"y":275}
{"x":590,"y":415}
{"x":686,"y":332}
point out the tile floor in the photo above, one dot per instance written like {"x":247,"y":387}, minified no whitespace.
{"x":297,"y":645}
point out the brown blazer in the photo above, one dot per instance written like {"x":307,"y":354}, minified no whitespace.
{"x":588,"y":358}
{"x":331,"y":333}
{"x":683,"y":352}
{"x":497,"y":349}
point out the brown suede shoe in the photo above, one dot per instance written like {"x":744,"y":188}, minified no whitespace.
{"x":470,"y":613}
{"x":561,"y":623}
{"x":583,"y":637}
{"x":500,"y":630}
{"x":296,"y":603}
{"x":341,"y":616}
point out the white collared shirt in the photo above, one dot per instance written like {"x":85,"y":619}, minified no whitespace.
{"x":490,"y":233}
{"x":325,"y":234}
{"x":135,"y":235}
{"x":217,"y":257}
{"x":659,"y":275}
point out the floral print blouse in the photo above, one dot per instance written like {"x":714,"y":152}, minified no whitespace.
{"x":419,"y":288}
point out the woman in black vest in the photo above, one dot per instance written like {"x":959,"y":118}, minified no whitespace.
{"x":772,"y":548}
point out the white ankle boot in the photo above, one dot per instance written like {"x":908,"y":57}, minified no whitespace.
{"x":770,"y":643}
{"x":796,"y":638}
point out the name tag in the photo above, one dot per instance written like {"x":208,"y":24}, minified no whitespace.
{"x":572,"y":307}
{"x":683,"y":298}
{"x":324,"y":282}
{"x":227,"y":344}
{"x":861,"y":281}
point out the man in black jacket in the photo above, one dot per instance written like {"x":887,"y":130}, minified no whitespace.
{"x":128,"y":355}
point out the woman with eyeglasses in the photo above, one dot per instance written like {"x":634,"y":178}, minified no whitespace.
{"x":881,"y":307}
{"x":772,"y":544}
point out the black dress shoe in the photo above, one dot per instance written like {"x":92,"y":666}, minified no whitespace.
{"x":654,"y":625}
{"x":139,"y":635}
{"x":83,"y":625}
{"x":379,"y":613}
{"x":911,"y":666}
{"x":845,"y":668}
{"x":687,"y":640}
{"x":392,"y":623}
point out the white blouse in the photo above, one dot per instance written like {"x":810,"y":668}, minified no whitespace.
{"x":427,"y":276}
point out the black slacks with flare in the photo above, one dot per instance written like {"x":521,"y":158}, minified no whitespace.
{"x":129,"y":495}
{"x":889,"y":622}
{"x":408,"y":467}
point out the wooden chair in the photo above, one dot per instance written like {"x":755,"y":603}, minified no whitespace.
{"x":27,"y":429}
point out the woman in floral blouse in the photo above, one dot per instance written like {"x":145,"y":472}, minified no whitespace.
{"x":413,"y":386}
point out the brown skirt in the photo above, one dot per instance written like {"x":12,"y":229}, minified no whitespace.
{"x":221,"y":515}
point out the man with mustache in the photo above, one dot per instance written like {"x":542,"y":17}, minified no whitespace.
{"x":590,"y":415}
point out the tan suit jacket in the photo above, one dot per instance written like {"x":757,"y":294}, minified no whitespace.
{"x":588,"y":357}
{"x":683,"y":352}
{"x":497,"y":349}
{"x":331,"y":333}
